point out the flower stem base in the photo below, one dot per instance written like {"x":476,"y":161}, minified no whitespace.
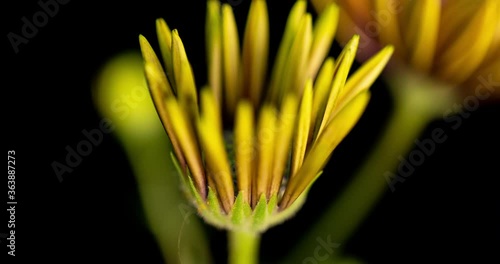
{"x":243,"y":247}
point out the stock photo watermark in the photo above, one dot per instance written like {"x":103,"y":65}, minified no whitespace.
{"x":92,"y":138}
{"x":11,"y":203}
{"x":322,"y":251}
{"x":454,"y":117}
{"x":6,"y":237}
{"x":75,"y":154}
{"x":32,"y":24}
{"x":380,"y":18}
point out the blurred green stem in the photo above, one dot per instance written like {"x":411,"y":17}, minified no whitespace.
{"x":121,"y":96}
{"x":417,"y":101}
{"x":243,"y":247}
{"x":163,"y":204}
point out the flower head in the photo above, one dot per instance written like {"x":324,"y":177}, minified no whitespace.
{"x":454,"y":41}
{"x":248,"y":144}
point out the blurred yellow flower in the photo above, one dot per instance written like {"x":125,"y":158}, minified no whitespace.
{"x":247,"y":145}
{"x":455,"y":41}
{"x":446,"y":60}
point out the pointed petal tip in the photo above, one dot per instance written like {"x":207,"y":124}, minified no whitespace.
{"x":330,"y":10}
{"x":352,"y":45}
{"x":390,"y":48}
{"x":160,"y":21}
{"x":146,"y":48}
{"x":387,"y":51}
{"x":355,"y":37}
{"x":143,"y":40}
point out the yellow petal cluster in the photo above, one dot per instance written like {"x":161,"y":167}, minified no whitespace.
{"x":249,"y":134}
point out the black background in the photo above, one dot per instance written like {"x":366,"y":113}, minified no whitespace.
{"x":447,"y":210}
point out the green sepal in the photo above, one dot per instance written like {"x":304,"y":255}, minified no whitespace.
{"x":211,"y":210}
{"x":186,"y":182}
{"x":271,"y":205}
{"x":260,"y":213}
{"x":265,"y":214}
{"x":241,"y":210}
{"x":213,"y":203}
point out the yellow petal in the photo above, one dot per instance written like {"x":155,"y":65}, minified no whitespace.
{"x":496,"y":40}
{"x":153,"y":68}
{"x":231,"y":58}
{"x":184,"y":78}
{"x":319,"y":153}
{"x":214,"y":49}
{"x":266,"y":135}
{"x":245,"y":148}
{"x":255,"y":51}
{"x":343,"y":67}
{"x":184,"y":132}
{"x":347,"y":29}
{"x":423,"y":31}
{"x":386,"y":15}
{"x":358,"y":10}
{"x":211,"y":110}
{"x":324,"y":33}
{"x":486,"y":84}
{"x":295,"y":75}
{"x":160,"y":90}
{"x":494,"y":49}
{"x":284,"y":129}
{"x":165,"y":41}
{"x":321,"y":88}
{"x":462,"y":57}
{"x":321,"y":5}
{"x":302,"y":131}
{"x":364,"y":77}
{"x":215,"y":155}
{"x":454,"y":16}
{"x":292,"y":25}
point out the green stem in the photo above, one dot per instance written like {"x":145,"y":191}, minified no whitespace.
{"x":243,"y":247}
{"x":169,"y":216}
{"x":417,"y":102}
